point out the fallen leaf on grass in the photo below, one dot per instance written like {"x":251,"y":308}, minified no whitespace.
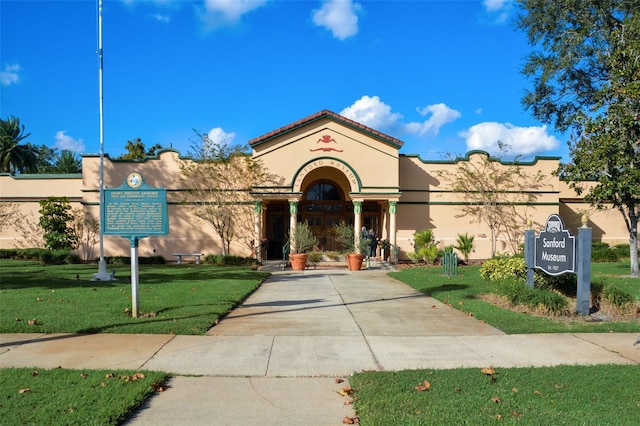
{"x":83,"y":375}
{"x":424,"y":386}
{"x":496,"y":400}
{"x":537,"y":392}
{"x":489,"y":371}
{"x":33,"y":322}
{"x":516,"y":414}
{"x":103,"y":384}
{"x":70,"y":409}
{"x":469,"y":314}
{"x":35,"y":373}
{"x":109,"y":375}
{"x":557,"y":386}
{"x":25,"y":390}
{"x":514,"y":390}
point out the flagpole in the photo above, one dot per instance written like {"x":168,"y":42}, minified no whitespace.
{"x":102,"y":274}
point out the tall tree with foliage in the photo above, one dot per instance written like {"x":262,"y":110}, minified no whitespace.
{"x":56,"y":221}
{"x":136,"y":150}
{"x":221,"y":177}
{"x":14,"y":156}
{"x":495,"y":193}
{"x":66,"y":161}
{"x":585,"y":69}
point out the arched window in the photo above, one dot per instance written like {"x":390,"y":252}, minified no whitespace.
{"x":324,"y":191}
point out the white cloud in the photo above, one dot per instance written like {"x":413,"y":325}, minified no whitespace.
{"x":523,"y":141}
{"x":219,"y":137}
{"x":220,"y":13}
{"x":9,"y":75}
{"x":372,"y":112}
{"x":440,"y":114}
{"x":495,"y":5}
{"x":64,"y":141}
{"x":165,"y":19}
{"x":499,"y":9}
{"x":338,"y":16}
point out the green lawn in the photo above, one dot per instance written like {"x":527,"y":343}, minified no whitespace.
{"x":462,"y":293}
{"x":188,"y":299}
{"x":565,"y":395}
{"x":172,"y":299}
{"x":31,"y":396}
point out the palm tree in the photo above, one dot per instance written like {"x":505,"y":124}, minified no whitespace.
{"x":13,"y":156}
{"x":67,"y":162}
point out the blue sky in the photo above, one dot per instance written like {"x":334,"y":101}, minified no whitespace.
{"x":442,"y":76}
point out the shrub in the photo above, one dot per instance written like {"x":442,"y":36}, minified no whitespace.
{"x":542,"y":299}
{"x":602,"y":255}
{"x":599,"y":245}
{"x":228,"y":260}
{"x":515,"y":268}
{"x":314,"y":256}
{"x":464,"y":244}
{"x":333,"y":255}
{"x":616,"y":296}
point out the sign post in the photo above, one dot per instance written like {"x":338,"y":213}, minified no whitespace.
{"x":554,"y":252}
{"x":135,"y":210}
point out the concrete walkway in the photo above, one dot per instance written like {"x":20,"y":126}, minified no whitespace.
{"x":275,"y":359}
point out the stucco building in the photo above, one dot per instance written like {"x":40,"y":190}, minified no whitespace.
{"x":329,"y":169}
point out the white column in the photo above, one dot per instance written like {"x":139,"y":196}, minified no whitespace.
{"x":357,"y":223}
{"x":257,"y":234}
{"x":392,"y":227}
{"x":293,"y":221}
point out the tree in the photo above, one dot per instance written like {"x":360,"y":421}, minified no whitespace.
{"x":55,"y":220}
{"x":137,"y":151}
{"x":586,"y":78}
{"x":66,"y":162}
{"x":15,"y":158}
{"x":495,"y":193}
{"x":221,"y":178}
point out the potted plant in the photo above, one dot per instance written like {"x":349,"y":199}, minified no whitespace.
{"x":346,"y":238}
{"x":302,"y":242}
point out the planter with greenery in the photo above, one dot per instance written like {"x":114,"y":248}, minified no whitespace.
{"x":345,"y":236}
{"x":303,"y":241}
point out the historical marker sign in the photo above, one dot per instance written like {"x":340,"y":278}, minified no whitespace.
{"x":134,"y":209}
{"x":555,"y":248}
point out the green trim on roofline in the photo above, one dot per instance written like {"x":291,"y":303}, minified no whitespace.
{"x":44,"y":175}
{"x":458,"y":159}
{"x":455,"y":203}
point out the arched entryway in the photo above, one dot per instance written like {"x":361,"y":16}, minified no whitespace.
{"x":323,"y":204}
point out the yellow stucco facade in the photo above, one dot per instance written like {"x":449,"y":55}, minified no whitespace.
{"x":327,"y":169}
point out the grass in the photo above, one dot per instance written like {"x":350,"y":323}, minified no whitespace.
{"x":463,"y":291}
{"x":73,"y":397}
{"x":185,"y":299}
{"x":188,"y":299}
{"x":565,"y":395}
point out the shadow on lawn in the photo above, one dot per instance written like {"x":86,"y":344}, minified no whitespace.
{"x":445,"y":288}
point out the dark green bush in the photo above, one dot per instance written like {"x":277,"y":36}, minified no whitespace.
{"x":616,"y":296}
{"x":599,"y":245}
{"x":517,"y":293}
{"x":228,"y":260}
{"x":604,"y":255}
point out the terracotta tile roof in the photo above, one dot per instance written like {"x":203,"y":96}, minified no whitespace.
{"x":322,"y":114}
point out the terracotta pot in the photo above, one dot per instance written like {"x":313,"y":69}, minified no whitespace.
{"x":354,"y":261}
{"x":298,"y":261}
